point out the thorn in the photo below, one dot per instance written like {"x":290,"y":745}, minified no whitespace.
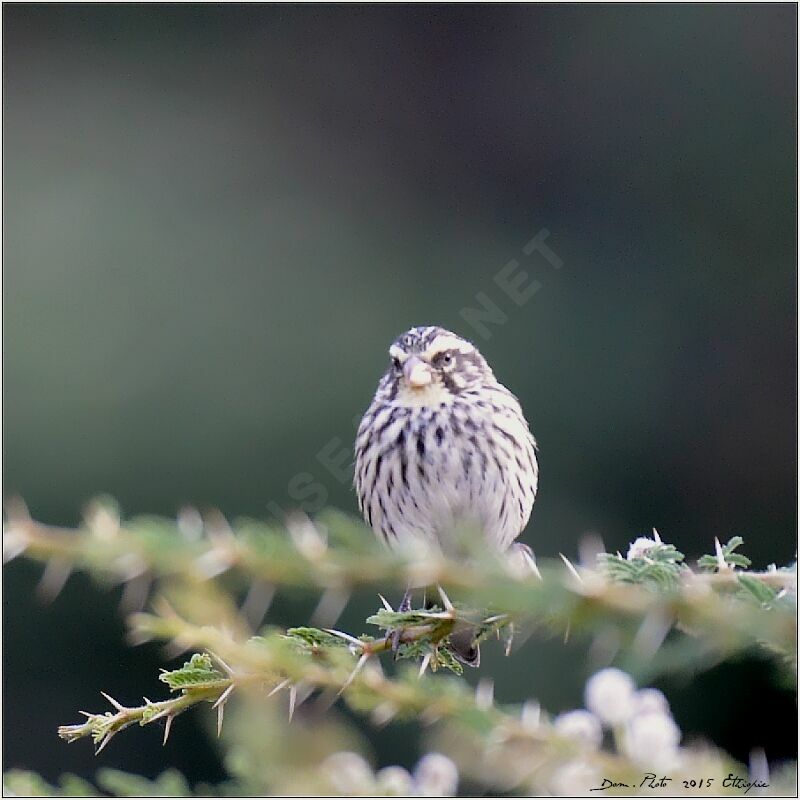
{"x":651,"y":634}
{"x":220,"y":716}
{"x":174,"y":648}
{"x":16,"y":510}
{"x":385,"y":603}
{"x":375,"y":666}
{"x":221,"y":662}
{"x":425,"y":662}
{"x":330,"y":607}
{"x":531,"y":714}
{"x":758,"y":765}
{"x":106,"y":739}
{"x":566,"y":632}
{"x":346,"y":636}
{"x":383,"y":714}
{"x":163,"y":713}
{"x":510,"y":640}
{"x":86,"y":714}
{"x":54,"y":577}
{"x":359,"y":666}
{"x":213,"y":562}
{"x":656,"y":537}
{"x":307,"y":538}
{"x":325,"y":700}
{"x":604,"y":647}
{"x":128,"y":566}
{"x":721,"y":563}
{"x":15,"y":542}
{"x":292,"y":701}
{"x":256,"y":604}
{"x":448,"y":606}
{"x":278,"y":687}
{"x":190,"y":524}
{"x":570,"y":567}
{"x":224,"y":696}
{"x":134,"y":594}
{"x":304,"y":691}
{"x":113,"y":702}
{"x":167,"y":729}
{"x":531,"y":562}
{"x":101,"y":520}
{"x":430,"y":715}
{"x":589,"y":547}
{"x":163,"y":608}
{"x":484,"y":694}
{"x":218,"y":528}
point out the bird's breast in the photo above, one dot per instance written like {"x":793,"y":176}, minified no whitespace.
{"x":430,"y":468}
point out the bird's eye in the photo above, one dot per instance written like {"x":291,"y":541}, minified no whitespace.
{"x":444,"y":359}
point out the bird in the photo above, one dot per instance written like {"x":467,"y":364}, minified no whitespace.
{"x":444,"y":444}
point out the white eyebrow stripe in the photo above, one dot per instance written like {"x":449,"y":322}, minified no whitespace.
{"x":444,"y":342}
{"x":397,"y":352}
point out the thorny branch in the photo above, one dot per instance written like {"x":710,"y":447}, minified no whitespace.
{"x":666,"y":616}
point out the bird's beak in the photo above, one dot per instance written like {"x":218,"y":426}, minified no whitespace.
{"x":417,"y":373}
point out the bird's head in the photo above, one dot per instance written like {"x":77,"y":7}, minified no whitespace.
{"x":430,"y":364}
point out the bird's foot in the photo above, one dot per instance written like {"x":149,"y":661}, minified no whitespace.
{"x":394,"y":635}
{"x":405,"y":603}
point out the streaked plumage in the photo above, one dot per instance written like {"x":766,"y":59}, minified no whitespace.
{"x":443,"y":442}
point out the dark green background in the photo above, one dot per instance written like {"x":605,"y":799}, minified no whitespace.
{"x":217,"y":218}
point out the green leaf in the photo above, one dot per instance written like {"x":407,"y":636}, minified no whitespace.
{"x":314,"y":638}
{"x":660,"y":569}
{"x":758,"y":590}
{"x":443,"y":657}
{"x":169,"y":783}
{"x":403,"y":619}
{"x":74,"y":786}
{"x":710,"y":563}
{"x":23,"y":783}
{"x":413,"y":650}
{"x":197,"y":673}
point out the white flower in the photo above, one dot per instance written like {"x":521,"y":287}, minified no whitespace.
{"x":651,"y":700}
{"x":575,"y":779}
{"x":395,"y":782}
{"x":581,"y":726}
{"x":610,"y":694}
{"x":436,"y":776}
{"x":651,"y":740}
{"x":641,"y":547}
{"x":348,"y":773}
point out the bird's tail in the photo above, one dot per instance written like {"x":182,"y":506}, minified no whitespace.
{"x":464,"y":646}
{"x":462,"y":640}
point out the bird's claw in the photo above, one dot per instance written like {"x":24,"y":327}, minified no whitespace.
{"x":393,"y":636}
{"x":405,"y":603}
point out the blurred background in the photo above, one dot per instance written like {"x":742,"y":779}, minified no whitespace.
{"x":217,"y":218}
